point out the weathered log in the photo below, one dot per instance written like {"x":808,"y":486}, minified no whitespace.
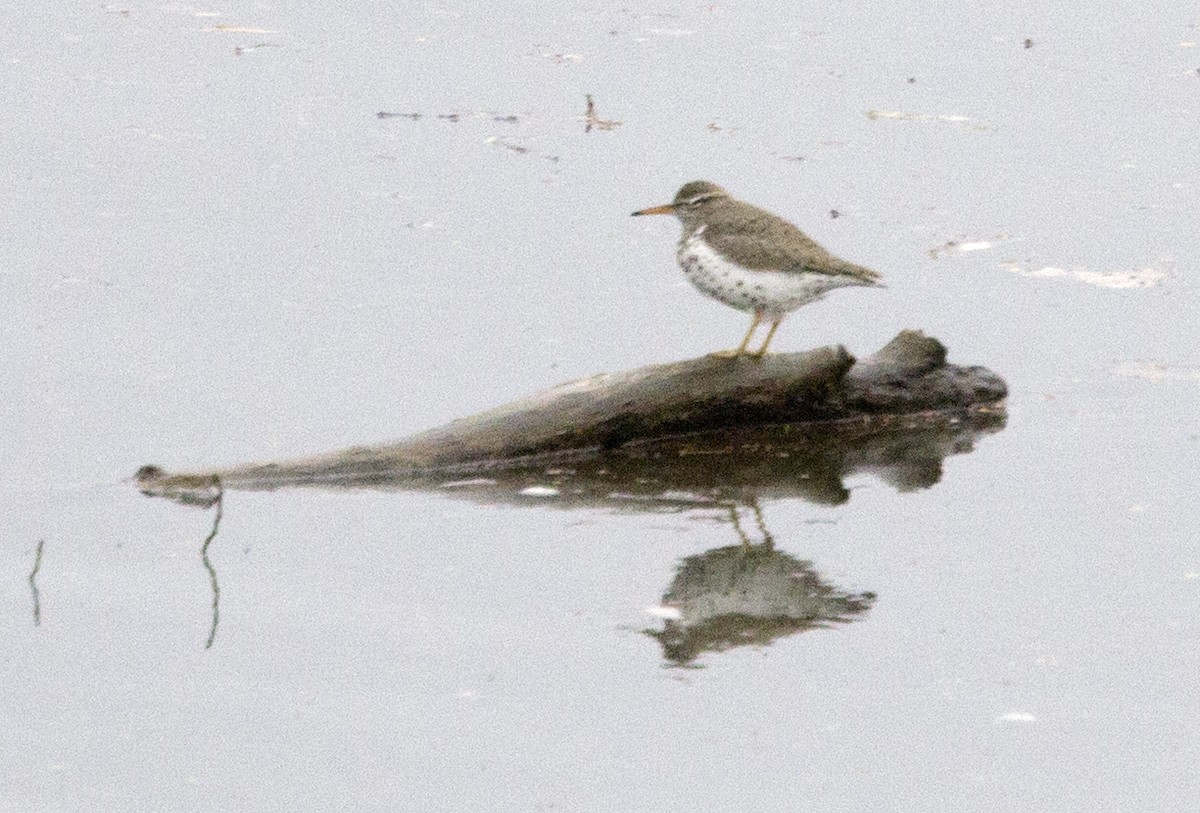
{"x":813,"y":406}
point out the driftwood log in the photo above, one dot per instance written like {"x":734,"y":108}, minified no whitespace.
{"x":788,"y":423}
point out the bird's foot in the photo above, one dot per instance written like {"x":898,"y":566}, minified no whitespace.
{"x":725,"y":354}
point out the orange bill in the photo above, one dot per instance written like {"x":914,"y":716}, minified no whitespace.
{"x":665,"y":209}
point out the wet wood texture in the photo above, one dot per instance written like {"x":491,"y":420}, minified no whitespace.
{"x":821,"y":388}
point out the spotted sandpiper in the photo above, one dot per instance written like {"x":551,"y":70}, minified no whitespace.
{"x":753,"y":260}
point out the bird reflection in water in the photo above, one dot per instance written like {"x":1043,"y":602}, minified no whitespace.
{"x":748,"y":594}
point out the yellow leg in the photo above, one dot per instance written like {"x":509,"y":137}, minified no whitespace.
{"x":770,"y":335}
{"x":732,"y":354}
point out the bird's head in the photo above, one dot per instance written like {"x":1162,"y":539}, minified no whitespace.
{"x":690,"y":203}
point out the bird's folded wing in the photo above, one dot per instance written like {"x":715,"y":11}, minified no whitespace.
{"x":798,"y":253}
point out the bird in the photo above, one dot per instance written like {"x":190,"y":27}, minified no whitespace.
{"x":753,"y":260}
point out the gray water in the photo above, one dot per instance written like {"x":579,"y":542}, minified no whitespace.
{"x":215,"y":251}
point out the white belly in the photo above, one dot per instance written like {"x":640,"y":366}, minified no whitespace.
{"x":772,"y":293}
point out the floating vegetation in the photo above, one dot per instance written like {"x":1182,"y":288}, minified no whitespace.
{"x":592,"y":120}
{"x":899,"y":115}
{"x":1146,"y":277}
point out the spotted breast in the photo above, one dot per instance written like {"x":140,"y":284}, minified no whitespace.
{"x":771,"y":293}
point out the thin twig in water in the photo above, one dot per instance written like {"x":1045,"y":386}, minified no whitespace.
{"x":212,"y":573}
{"x":33,"y":588}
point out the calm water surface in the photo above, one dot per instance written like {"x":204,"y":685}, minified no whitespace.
{"x":216,"y":251}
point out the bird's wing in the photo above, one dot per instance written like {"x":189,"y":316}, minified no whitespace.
{"x":796,"y":252}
